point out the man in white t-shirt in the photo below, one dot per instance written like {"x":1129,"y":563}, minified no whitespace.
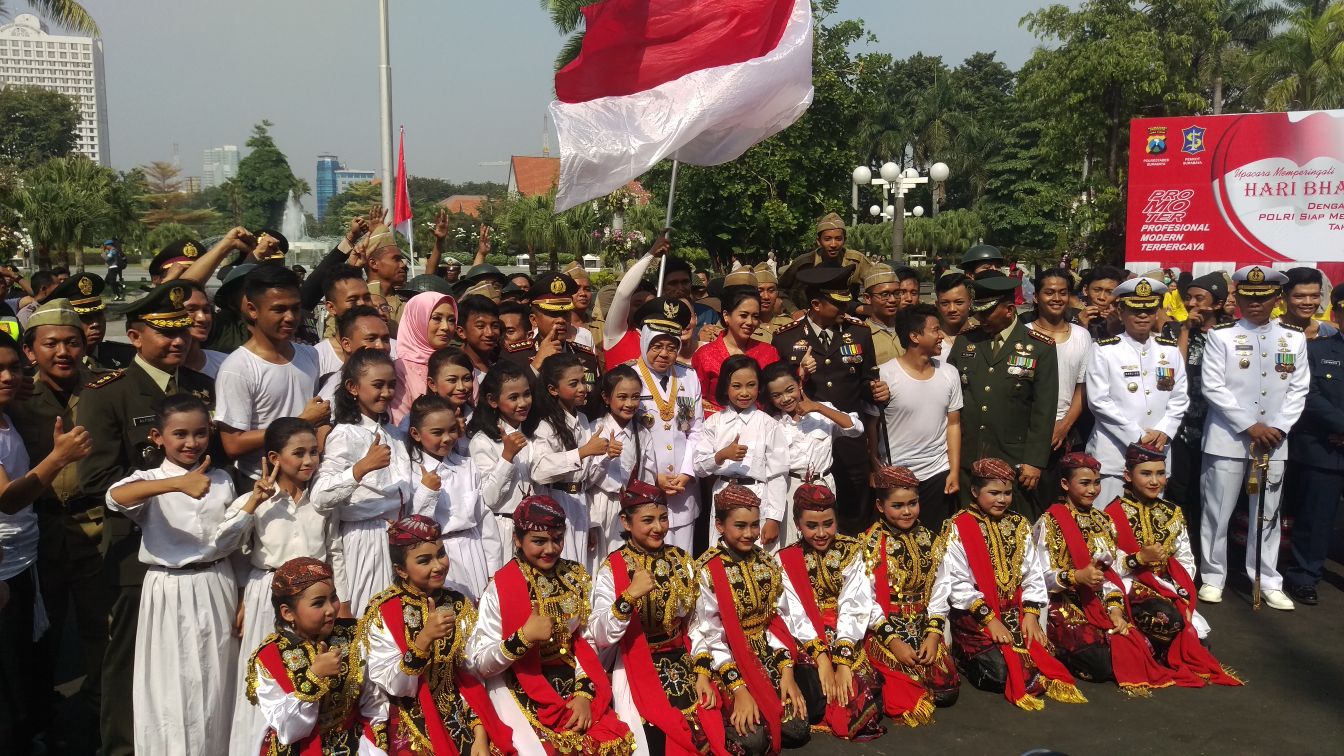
{"x":359,"y":327}
{"x":922,"y":422}
{"x":270,"y":376}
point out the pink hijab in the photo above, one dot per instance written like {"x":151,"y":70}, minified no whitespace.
{"x":414,"y":350}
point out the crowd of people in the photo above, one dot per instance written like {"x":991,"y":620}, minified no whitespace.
{"x":477,"y":513}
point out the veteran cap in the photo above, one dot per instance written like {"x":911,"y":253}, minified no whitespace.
{"x":487,"y":271}
{"x":663,"y":315}
{"x":55,"y":312}
{"x":830,"y":222}
{"x":1259,"y":281}
{"x":878,"y":274}
{"x":489,"y":290}
{"x":162,"y":307}
{"x":741,"y":277}
{"x":1213,"y":283}
{"x":553,"y":292}
{"x":84,"y":292}
{"x":180,"y":252}
{"x":1141,"y":293}
{"x":765,"y":274}
{"x":990,"y":287}
{"x":828,"y":282}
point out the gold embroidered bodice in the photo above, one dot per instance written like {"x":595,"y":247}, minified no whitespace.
{"x":1098,"y":533}
{"x":1159,"y":522}
{"x":1006,"y":539}
{"x":912,"y":560}
{"x":826,"y":571}
{"x":562,"y":594}
{"x":756,"y":582}
{"x":664,"y":610}
{"x":337,"y":696}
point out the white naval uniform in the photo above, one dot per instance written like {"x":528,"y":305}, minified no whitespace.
{"x":1132,"y":388}
{"x":1252,"y":374}
{"x":674,"y":444}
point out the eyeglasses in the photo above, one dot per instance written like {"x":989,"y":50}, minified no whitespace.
{"x":882,"y":296}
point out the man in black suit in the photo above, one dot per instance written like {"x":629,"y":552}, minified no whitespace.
{"x":1316,"y":460}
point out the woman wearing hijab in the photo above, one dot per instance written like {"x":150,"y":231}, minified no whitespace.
{"x":427,"y":323}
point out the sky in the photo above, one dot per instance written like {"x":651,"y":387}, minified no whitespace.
{"x":471,"y":81}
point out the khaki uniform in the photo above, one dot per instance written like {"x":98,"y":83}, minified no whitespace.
{"x":766,"y":330}
{"x":885,"y":343}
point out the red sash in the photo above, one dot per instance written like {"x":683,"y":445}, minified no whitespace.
{"x":753,"y":672}
{"x":1131,"y":658}
{"x":837,"y":717}
{"x":551,"y":706}
{"x":900,"y":694}
{"x":644,"y":684}
{"x":269,"y":656}
{"x":1186,"y":656}
{"x":982,"y":570}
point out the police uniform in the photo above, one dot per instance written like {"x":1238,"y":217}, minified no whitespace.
{"x":1133,"y":387}
{"x":69,"y":526}
{"x":85,"y":295}
{"x":885,"y":341}
{"x":553,"y":294}
{"x":854,"y":260}
{"x":770,"y":324}
{"x":1252,"y":374}
{"x":117,"y":409}
{"x":1010,"y":394}
{"x":670,"y":407}
{"x":846,"y":366}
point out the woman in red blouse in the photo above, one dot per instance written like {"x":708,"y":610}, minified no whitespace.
{"x":741,"y":317}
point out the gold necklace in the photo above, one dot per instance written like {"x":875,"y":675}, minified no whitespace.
{"x":667,"y":408}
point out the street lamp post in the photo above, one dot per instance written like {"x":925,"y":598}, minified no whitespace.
{"x":892,"y":178}
{"x":862,"y":175}
{"x":938,"y":173}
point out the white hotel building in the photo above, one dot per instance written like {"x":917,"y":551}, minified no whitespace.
{"x":73,"y":66}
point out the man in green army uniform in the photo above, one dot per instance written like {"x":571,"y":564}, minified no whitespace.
{"x":1009,"y":385}
{"x":69,"y":525}
{"x":85,"y":294}
{"x":117,"y":408}
{"x":830,"y":251}
{"x":774,"y":308}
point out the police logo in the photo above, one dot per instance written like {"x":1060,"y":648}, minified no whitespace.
{"x":1192,"y":140}
{"x":1143,"y":289}
{"x":189,"y":250}
{"x":177,"y":295}
{"x":85,"y":285}
{"x":1157,"y":140}
{"x":558,"y":286}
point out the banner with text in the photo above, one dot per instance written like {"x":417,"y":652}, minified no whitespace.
{"x":1217,"y":192}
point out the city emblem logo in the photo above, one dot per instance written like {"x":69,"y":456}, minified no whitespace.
{"x":1192,"y":140}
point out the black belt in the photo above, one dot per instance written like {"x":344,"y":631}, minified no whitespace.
{"x":813,"y":476}
{"x":740,"y":480}
{"x":198,"y":566}
{"x":569,"y":488}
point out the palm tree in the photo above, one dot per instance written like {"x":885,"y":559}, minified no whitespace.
{"x":1243,"y":25}
{"x":65,"y":13}
{"x":1303,"y":67}
{"x":567,"y":15}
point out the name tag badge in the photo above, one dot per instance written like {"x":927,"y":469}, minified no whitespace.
{"x":1330,"y":362}
{"x":139,"y":421}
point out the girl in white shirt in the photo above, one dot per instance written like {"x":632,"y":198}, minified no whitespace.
{"x":185,"y":651}
{"x":629,"y":458}
{"x":452,"y":377}
{"x":742,"y":444}
{"x":564,"y":463}
{"x":284,"y":527}
{"x":447,"y":490}
{"x":501,"y":432}
{"x":365,"y":475}
{"x":808,"y":427}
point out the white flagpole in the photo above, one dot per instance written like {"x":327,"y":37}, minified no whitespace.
{"x":671,"y":199}
{"x":385,"y":103}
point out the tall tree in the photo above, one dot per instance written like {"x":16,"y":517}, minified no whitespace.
{"x":1303,"y":67}
{"x":167,"y":200}
{"x":265,"y":180}
{"x":35,"y":125}
{"x":1243,"y":25}
{"x":67,"y":203}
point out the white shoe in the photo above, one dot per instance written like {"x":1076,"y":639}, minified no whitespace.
{"x":1278,"y":600}
{"x":1211,"y":594}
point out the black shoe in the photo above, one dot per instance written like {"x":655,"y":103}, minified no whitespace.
{"x":1305,"y":593}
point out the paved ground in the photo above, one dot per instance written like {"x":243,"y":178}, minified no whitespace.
{"x":1293,"y":663}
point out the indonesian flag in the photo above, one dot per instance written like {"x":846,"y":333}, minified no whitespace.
{"x":401,"y":203}
{"x":698,"y":80}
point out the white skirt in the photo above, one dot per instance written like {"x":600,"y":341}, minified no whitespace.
{"x":468,"y":567}
{"x":368,"y":564}
{"x":185,"y":661}
{"x":605,"y":524}
{"x":525,"y":739}
{"x":258,"y":622}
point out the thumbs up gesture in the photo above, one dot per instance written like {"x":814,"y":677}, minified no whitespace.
{"x":196,"y":482}
{"x":440,"y":623}
{"x":327,"y":661}
{"x":538,"y":628}
{"x":377,"y":457}
{"x":808,"y":365}
{"x":70,"y":447}
{"x":734,"y":451}
{"x":594,"y":446}
{"x":430,"y":478}
{"x":641,"y":583}
{"x":614,"y":447}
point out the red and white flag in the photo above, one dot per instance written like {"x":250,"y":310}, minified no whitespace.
{"x":401,"y":202}
{"x":698,"y":80}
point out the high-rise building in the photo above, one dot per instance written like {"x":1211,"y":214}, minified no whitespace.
{"x":332,"y":179}
{"x":218,"y":165}
{"x":73,"y":66}
{"x":327,"y":166}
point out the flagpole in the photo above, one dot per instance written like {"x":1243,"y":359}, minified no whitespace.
{"x":385,"y":102}
{"x":671,"y":199}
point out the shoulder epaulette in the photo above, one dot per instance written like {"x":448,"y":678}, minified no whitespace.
{"x":1109,"y":340}
{"x":519,"y":345}
{"x":684,"y":363}
{"x":850,"y":319}
{"x":1292,"y":327}
{"x":584,"y":348}
{"x":1165,"y":341}
{"x":1035,"y":334}
{"x":1228,"y":324}
{"x":795,"y":324}
{"x":105,"y":379}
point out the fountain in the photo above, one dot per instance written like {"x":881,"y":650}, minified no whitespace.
{"x":292,"y":222}
{"x":303,"y":249}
